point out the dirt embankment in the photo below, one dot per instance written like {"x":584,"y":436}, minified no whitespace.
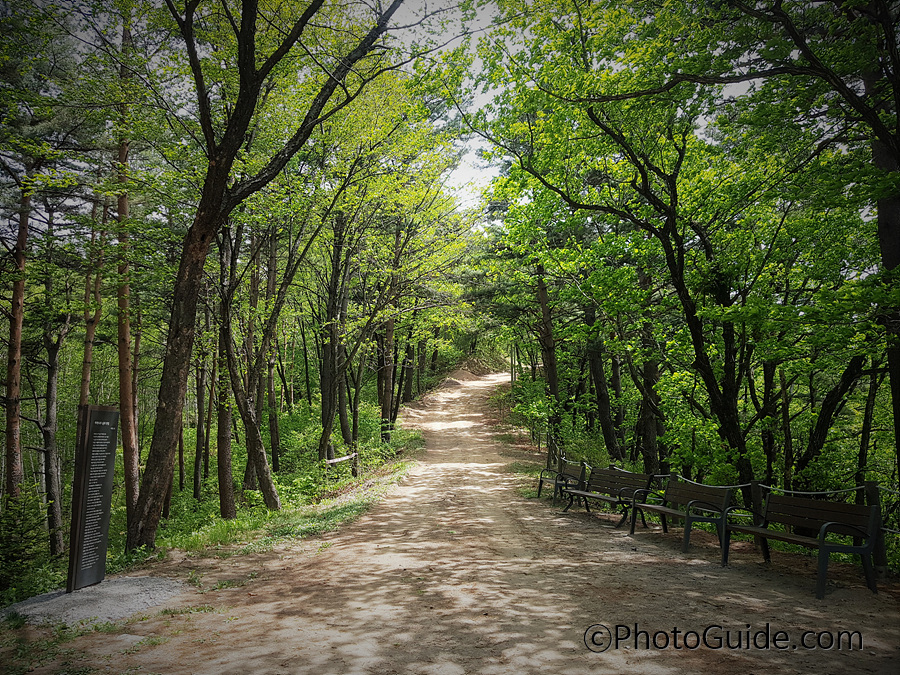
{"x":455,"y":571}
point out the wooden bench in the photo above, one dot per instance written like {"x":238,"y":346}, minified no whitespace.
{"x":565,"y":474}
{"x":687,"y":501}
{"x":797,"y":516}
{"x":612,"y":486}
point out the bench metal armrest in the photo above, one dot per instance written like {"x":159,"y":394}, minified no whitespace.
{"x":703,"y":506}
{"x":640,"y":496}
{"x":746,"y":513}
{"x":624,"y":497}
{"x":826,"y":527}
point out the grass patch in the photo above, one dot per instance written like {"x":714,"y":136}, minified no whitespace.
{"x":258,"y":530}
{"x":525,"y":468}
{"x":529,"y":470}
{"x":181,"y":611}
{"x":146,"y":642}
{"x":15,"y":620}
{"x":21,"y":652}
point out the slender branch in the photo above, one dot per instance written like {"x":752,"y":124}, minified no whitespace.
{"x":186,"y":26}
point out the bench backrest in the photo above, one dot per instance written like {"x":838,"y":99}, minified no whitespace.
{"x":682,"y":492}
{"x":804,"y":513}
{"x":617,"y":482}
{"x":571,"y":471}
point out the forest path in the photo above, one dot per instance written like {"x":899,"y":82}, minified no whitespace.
{"x":454,"y":572}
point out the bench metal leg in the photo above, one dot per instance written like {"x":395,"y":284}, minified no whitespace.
{"x":686,"y":544}
{"x":822,"y":573}
{"x":869,"y":571}
{"x":624,"y":517}
{"x":569,"y":505}
{"x":726,"y":542}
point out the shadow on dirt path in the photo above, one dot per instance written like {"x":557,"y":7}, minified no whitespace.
{"x":455,"y":572}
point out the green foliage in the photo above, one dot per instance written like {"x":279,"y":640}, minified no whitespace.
{"x":26,"y":569}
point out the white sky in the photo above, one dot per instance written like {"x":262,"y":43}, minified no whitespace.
{"x":472,"y":175}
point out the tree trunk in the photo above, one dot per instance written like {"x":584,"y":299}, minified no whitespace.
{"x":211,"y":404}
{"x":434,"y":354}
{"x":50,"y":427}
{"x":648,"y":422}
{"x":768,"y":418}
{"x":331,"y":372}
{"x":357,"y":395}
{"x":200,"y":440}
{"x":53,"y":338}
{"x":344,"y":411}
{"x":401,"y":384}
{"x":128,"y":421}
{"x":274,"y":431}
{"x":127,"y":413}
{"x":256,"y":452}
{"x":595,"y":352}
{"x":721,"y":388}
{"x":831,"y":406}
{"x":888,"y":221}
{"x":421,"y":352}
{"x":788,"y":472}
{"x":305,"y":362}
{"x":181,"y":461}
{"x":615,"y":381}
{"x":250,"y":481}
{"x":92,"y":297}
{"x":409,"y":370}
{"x":387,"y":394}
{"x":548,"y":351}
{"x":15,"y":469}
{"x":865,"y":437}
{"x":223,"y":433}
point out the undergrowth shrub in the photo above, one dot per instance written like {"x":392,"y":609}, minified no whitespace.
{"x":26,"y":567}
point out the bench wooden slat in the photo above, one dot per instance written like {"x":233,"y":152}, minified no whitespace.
{"x":780,"y":535}
{"x":809,"y":522}
{"x":612,"y":486}
{"x":566,"y":474}
{"x":690,"y":502}
{"x":811,"y":514}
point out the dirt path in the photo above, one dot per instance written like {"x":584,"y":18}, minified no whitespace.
{"x":455,"y":572}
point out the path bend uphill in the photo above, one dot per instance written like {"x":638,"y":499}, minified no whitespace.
{"x":456,"y":572}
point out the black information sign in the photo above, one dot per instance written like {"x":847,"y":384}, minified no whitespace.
{"x":95,"y":461}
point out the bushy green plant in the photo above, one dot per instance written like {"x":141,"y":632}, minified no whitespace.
{"x":531,"y":408}
{"x":26,"y":567}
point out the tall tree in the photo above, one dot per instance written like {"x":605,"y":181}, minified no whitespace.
{"x":35,"y":68}
{"x":254,"y":66}
{"x":127,"y":412}
{"x":703,"y":195}
{"x":823,"y":65}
